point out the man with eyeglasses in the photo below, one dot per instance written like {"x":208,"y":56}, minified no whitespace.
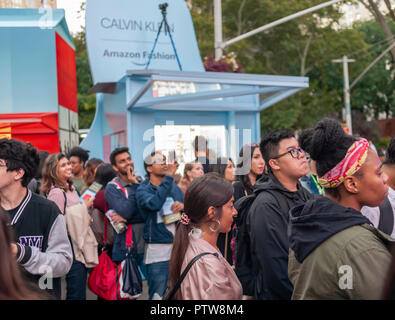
{"x":160,"y":200}
{"x":268,"y":217}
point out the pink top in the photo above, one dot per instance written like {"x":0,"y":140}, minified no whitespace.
{"x":210,"y":278}
{"x":56,"y":195}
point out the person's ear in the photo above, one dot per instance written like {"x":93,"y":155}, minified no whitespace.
{"x":19,"y":174}
{"x":273,"y":163}
{"x":149,"y":169}
{"x":211,"y":213}
{"x":115,"y":168}
{"x":351,"y":184}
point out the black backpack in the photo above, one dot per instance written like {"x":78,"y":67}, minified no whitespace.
{"x":244,"y":266}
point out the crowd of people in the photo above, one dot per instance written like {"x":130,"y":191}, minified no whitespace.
{"x":295,"y":217}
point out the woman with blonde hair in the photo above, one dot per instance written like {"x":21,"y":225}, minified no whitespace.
{"x":58,"y":187}
{"x":192,"y":170}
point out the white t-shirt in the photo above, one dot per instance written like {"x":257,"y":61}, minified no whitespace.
{"x":373,"y":213}
{"x":158,"y":252}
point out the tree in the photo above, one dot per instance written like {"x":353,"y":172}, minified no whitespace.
{"x":86,"y":102}
{"x":301,"y":47}
{"x":375,"y":93}
{"x":381,"y":19}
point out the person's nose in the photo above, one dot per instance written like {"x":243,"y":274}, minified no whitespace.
{"x":302,"y":154}
{"x":385,"y":178}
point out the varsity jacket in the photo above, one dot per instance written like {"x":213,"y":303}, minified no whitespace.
{"x":41,"y":237}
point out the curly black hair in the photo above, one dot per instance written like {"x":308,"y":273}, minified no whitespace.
{"x":20,"y":155}
{"x":329,"y":144}
{"x":82,"y":154}
{"x":305,"y":139}
{"x":328,"y":147}
{"x":390,"y":153}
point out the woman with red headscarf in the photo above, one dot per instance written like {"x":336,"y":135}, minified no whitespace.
{"x":336,"y":253}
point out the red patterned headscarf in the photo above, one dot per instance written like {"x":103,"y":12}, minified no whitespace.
{"x":355,"y":157}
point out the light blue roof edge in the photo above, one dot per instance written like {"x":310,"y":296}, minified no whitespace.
{"x":37,"y":18}
{"x":237,"y":78}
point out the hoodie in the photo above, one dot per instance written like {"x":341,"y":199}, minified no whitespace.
{"x":335,"y":253}
{"x":267,"y":225}
{"x":316,"y":221}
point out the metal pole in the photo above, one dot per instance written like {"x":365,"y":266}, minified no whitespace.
{"x":273,"y":24}
{"x":347,"y":104}
{"x":218,"y":29}
{"x":347,"y":93}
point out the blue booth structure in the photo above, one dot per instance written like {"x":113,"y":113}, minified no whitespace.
{"x":163,"y":107}
{"x":38,"y":80}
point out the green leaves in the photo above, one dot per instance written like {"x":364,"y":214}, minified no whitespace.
{"x":86,"y":102}
{"x":301,"y":47}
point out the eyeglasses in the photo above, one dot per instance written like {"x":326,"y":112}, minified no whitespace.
{"x":295,"y":153}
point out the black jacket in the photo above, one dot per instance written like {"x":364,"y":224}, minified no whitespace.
{"x":267,"y":225}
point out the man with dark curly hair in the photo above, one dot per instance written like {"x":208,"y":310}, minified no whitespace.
{"x":78,"y":157}
{"x":41,"y":245}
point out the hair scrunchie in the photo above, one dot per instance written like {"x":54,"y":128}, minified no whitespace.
{"x":185,"y":219}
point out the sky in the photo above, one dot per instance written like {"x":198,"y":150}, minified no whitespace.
{"x":73,"y":18}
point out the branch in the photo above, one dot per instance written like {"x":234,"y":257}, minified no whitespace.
{"x":367,"y":6}
{"x":239,"y":17}
{"x":268,"y":64}
{"x":304,"y":57}
{"x":388,"y":4}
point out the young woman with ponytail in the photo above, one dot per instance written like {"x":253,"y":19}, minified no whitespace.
{"x":209,"y":210}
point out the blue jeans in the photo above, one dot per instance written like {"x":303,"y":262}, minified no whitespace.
{"x":157,"y":275}
{"x":76,"y":280}
{"x":142,"y":266}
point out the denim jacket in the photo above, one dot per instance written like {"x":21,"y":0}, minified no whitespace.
{"x":150,"y":199}
{"x":125,"y":207}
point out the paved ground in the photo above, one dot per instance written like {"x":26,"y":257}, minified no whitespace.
{"x":91,"y":296}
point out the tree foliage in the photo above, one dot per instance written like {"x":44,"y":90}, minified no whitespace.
{"x":302,"y":47}
{"x":86,"y":101}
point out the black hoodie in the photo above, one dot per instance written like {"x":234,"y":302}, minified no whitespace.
{"x":267,"y":224}
{"x":316,"y":221}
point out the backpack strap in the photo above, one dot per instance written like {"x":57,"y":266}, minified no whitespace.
{"x":189,"y":266}
{"x":120,"y":187}
{"x":129,"y":236}
{"x":386,"y":223}
{"x":65,"y":202}
{"x":281,"y":200}
{"x":105,"y":224}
